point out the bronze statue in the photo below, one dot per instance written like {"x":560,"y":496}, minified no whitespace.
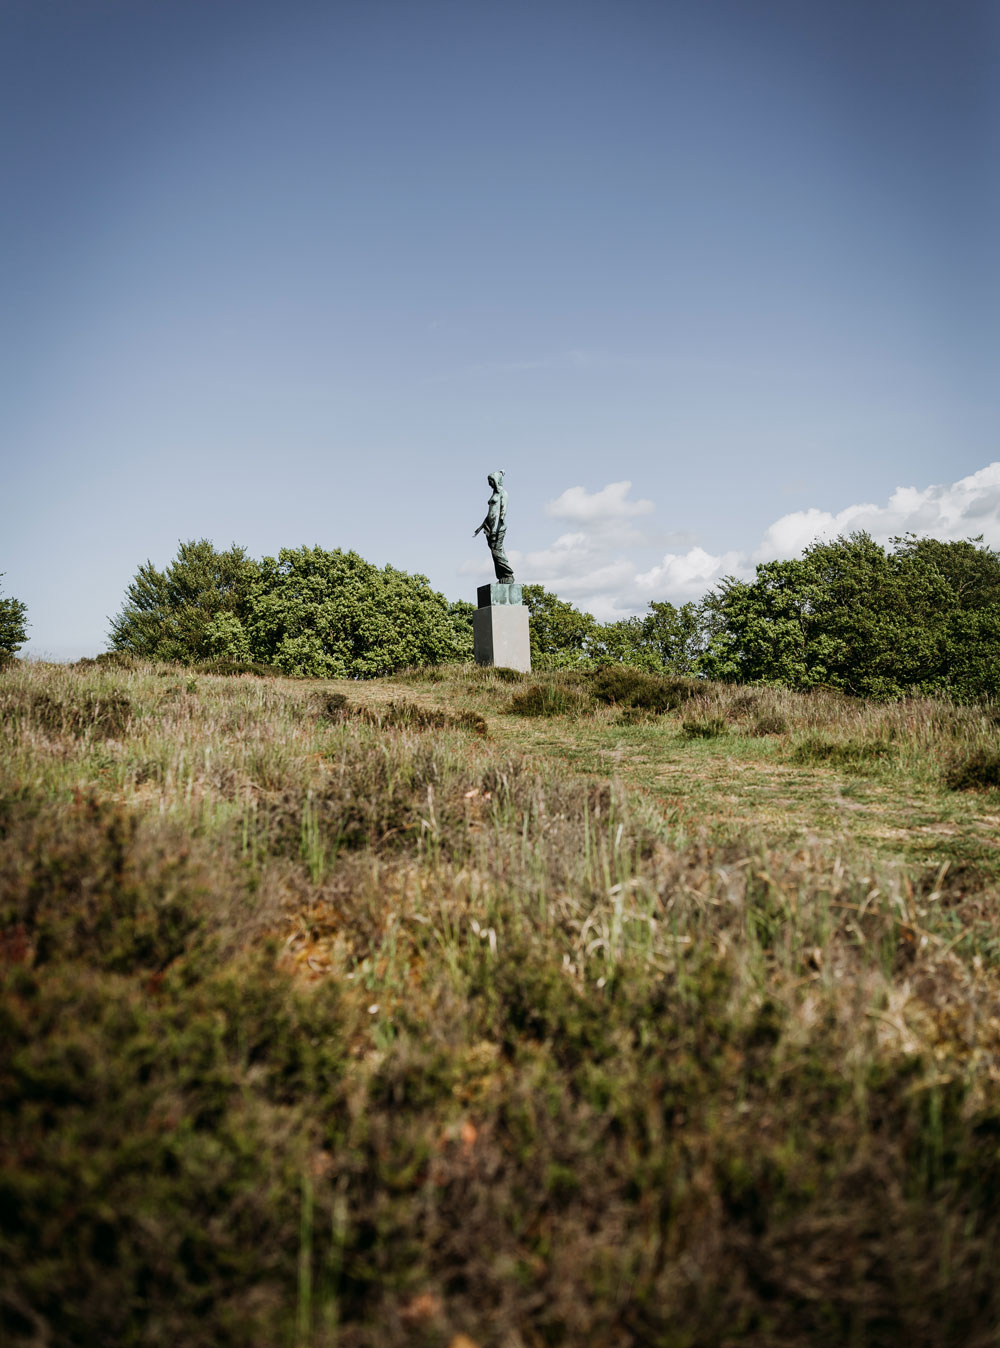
{"x":495,"y":525}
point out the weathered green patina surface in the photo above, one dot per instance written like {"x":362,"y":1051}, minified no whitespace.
{"x":495,"y":527}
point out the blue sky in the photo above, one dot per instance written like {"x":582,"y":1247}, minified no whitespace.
{"x":299,"y":272}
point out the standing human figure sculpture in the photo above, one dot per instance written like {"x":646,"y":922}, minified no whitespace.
{"x":495,"y":525}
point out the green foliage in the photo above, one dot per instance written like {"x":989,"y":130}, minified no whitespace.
{"x":625,"y":686}
{"x":461,"y":613}
{"x":236,"y":667}
{"x":665,"y":639}
{"x":190,"y":612}
{"x":334,"y":615}
{"x":547,"y":699}
{"x":624,"y":642}
{"x":506,"y":1070}
{"x":560,"y":634}
{"x":974,"y":772}
{"x":307,"y":612}
{"x":13,"y":627}
{"x":675,"y":635}
{"x":152,"y":1093}
{"x":971,"y":571}
{"x":704,"y":727}
{"x":847,"y":614}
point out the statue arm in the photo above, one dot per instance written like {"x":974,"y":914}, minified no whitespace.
{"x":492,"y":519}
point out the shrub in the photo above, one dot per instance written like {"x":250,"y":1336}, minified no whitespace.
{"x":626,"y":686}
{"x":105,"y":717}
{"x":705,"y":727}
{"x":13,"y":628}
{"x":504,"y":674}
{"x":190,"y":611}
{"x":239,"y":667}
{"x":978,"y":771}
{"x":854,"y":755}
{"x":547,"y":699}
{"x":401,"y":715}
{"x":331,"y":614}
{"x":770,"y":723}
{"x":925,"y":616}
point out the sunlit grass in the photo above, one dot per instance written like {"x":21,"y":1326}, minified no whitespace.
{"x":330,"y":1019}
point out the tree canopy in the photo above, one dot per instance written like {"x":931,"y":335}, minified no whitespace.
{"x":334,"y":614}
{"x":922,"y":616}
{"x":13,"y":627}
{"x":307,"y":611}
{"x":190,"y":611}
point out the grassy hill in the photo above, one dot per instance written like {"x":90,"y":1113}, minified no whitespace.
{"x":475,"y":1008}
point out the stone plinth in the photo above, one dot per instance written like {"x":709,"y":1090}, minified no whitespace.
{"x":500,"y":628}
{"x":498,"y":593}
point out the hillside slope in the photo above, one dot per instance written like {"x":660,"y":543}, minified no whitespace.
{"x":542,"y":1010}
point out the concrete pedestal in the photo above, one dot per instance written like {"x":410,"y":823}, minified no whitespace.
{"x":500,"y":632}
{"x":498,"y":593}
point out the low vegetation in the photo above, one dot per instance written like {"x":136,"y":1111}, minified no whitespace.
{"x":397,"y":1012}
{"x":920,"y":618}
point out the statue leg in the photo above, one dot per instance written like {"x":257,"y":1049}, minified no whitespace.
{"x":500,"y":563}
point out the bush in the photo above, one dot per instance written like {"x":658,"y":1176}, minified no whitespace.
{"x":705,"y":727}
{"x":239,"y":667}
{"x":331,"y":614}
{"x":979,"y":771}
{"x":547,"y":699}
{"x":626,"y":686}
{"x":504,"y":674}
{"x":924,"y":617}
{"x":13,"y":628}
{"x":770,"y":723}
{"x":307,"y":612}
{"x":854,"y":755}
{"x":192,"y":610}
{"x":105,"y":717}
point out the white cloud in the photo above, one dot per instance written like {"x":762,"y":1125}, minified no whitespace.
{"x":596,"y":565}
{"x":951,"y":512}
{"x":599,"y":507}
{"x":604,"y":564}
{"x":688,"y":574}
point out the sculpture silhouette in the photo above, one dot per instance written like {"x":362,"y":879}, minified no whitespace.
{"x":495,"y":525}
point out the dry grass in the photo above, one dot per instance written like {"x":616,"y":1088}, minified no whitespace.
{"x":330,"y":1019}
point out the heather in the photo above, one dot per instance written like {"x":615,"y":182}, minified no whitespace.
{"x":582,"y":1007}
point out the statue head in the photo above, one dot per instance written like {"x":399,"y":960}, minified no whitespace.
{"x":496,"y":479}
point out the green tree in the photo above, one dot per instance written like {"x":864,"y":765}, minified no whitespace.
{"x":560,"y":634}
{"x":924,"y":617}
{"x":624,"y":642}
{"x":462,"y":614}
{"x":675,"y":634}
{"x":334,"y":615}
{"x":191,"y":611}
{"x":971,"y":571}
{"x":757,"y":631}
{"x":13,"y":627}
